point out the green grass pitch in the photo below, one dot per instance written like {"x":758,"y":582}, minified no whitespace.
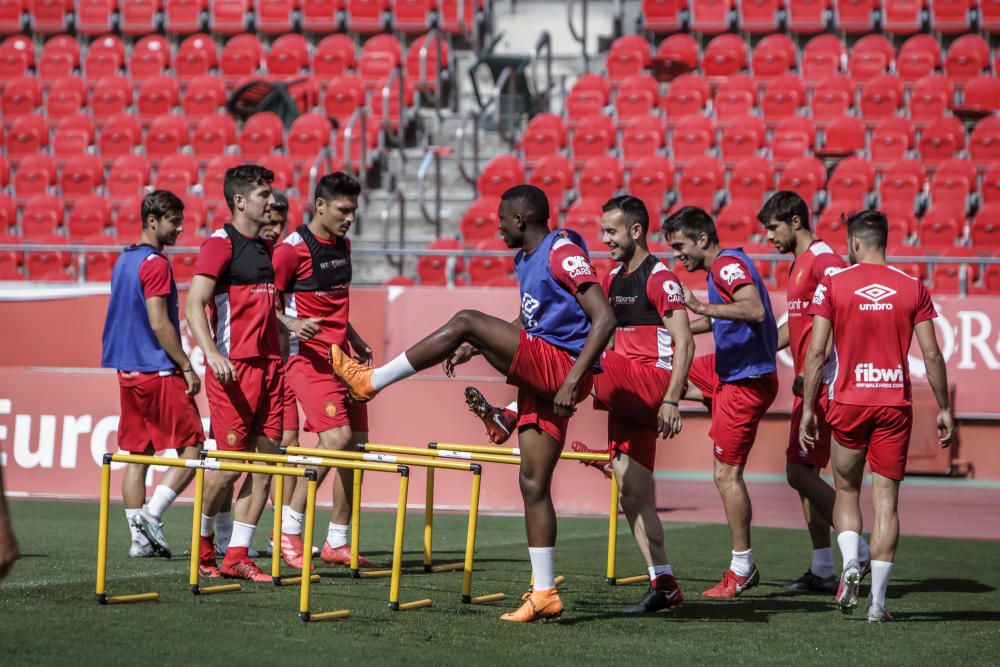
{"x":943,"y":594}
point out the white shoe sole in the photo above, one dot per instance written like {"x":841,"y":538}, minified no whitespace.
{"x":847,"y":599}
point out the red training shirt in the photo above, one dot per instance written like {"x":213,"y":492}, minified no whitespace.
{"x":804,"y":275}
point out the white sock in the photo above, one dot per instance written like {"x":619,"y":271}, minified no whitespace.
{"x":291,"y":521}
{"x":242,"y":535}
{"x":848,"y":543}
{"x":207,"y":526}
{"x":742,"y":562}
{"x":657,"y":570}
{"x":336,"y":534}
{"x":163,"y":496}
{"x":223,"y":529}
{"x":512,"y":407}
{"x":137,"y":537}
{"x":543,"y":567}
{"x":822,"y":565}
{"x":881,"y":570}
{"x":864,"y":554}
{"x":398,"y":369}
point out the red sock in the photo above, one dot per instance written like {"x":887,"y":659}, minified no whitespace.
{"x":206,"y":548}
{"x":664,"y":582}
{"x":236,"y":554}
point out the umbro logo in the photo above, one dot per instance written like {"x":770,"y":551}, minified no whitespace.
{"x":875,"y":293}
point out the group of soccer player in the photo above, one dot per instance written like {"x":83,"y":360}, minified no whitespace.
{"x":273,"y":325}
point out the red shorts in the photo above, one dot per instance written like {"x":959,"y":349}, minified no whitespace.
{"x":324,"y":399}
{"x":703,"y":376}
{"x":156,"y":411}
{"x":884,"y":430}
{"x":538,"y":371}
{"x":248,"y":406}
{"x":819,"y":456}
{"x":289,"y":408}
{"x":632,"y":392}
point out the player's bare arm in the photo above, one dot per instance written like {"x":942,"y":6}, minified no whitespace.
{"x":783,"y":336}
{"x":199,"y":294}
{"x":668,"y":420}
{"x":362,"y":350}
{"x":937,"y":376}
{"x":702,"y":325}
{"x":811,"y":378}
{"x":304,"y":329}
{"x":746,"y":306}
{"x":170,"y":341}
{"x":602,"y":326}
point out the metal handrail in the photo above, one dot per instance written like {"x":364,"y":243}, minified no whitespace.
{"x":422,"y":81}
{"x":398,"y":199}
{"x":359,"y":116}
{"x":314,"y":176}
{"x":508,"y":77}
{"x":544,"y":42}
{"x":431,"y":156}
{"x":582,"y":36}
{"x":396,"y":75}
{"x":472,"y":115}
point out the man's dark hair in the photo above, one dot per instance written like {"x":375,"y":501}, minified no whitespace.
{"x":531,"y":202}
{"x":783,"y":206}
{"x":337,"y":184}
{"x":633,"y":211}
{"x":160,"y":203}
{"x":869,"y":227}
{"x":692,"y":222}
{"x":280,"y":202}
{"x":242,"y":180}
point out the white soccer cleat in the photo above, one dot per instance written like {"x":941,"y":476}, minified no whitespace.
{"x":878,"y":614}
{"x":152,"y":530}
{"x":847,"y":592}
{"x":138,"y":550}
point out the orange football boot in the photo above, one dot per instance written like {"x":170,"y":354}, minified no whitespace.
{"x":355,"y":376}
{"x":538,"y":606}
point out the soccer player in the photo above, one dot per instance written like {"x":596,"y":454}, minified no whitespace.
{"x":872,"y":311}
{"x":313,"y":270}
{"x":235,"y":281}
{"x":785,"y":216}
{"x":548,"y":352}
{"x":9,"y":551}
{"x":740,"y":379}
{"x":156,"y":382}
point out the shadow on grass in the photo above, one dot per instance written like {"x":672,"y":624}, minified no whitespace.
{"x":749,"y":610}
{"x":901,"y":587}
{"x":938,"y":616}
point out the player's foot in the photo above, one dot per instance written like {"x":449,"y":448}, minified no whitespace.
{"x":811,"y":582}
{"x":291,"y":551}
{"x":152,"y":530}
{"x":732,"y":584}
{"x":206,"y":558}
{"x":847,"y":591}
{"x":605,"y":468}
{"x":663,"y":593}
{"x":141,"y":550}
{"x":499,"y":422}
{"x":537,"y":606}
{"x":878,"y":614}
{"x":237,"y":565}
{"x":355,"y":376}
{"x":342,"y":556}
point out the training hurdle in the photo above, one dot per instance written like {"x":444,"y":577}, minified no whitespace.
{"x":282,"y":460}
{"x":451,"y":450}
{"x":430,"y":465}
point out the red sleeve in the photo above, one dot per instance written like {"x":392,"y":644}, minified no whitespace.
{"x":925,"y":309}
{"x":286,"y":263}
{"x":664,"y":291}
{"x":214,"y":258}
{"x":155,"y":276}
{"x":730,"y":276}
{"x":822,"y":302}
{"x":826,"y":265}
{"x":570,"y":266}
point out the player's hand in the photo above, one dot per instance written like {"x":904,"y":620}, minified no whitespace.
{"x":946,"y":428}
{"x":8,"y":548}
{"x":797,"y":385}
{"x":222,"y":368}
{"x":807,"y":430}
{"x":307,"y":328}
{"x":458,"y":357}
{"x":691,"y":301}
{"x":564,"y":403}
{"x":668,"y":420}
{"x":193,"y":382}
{"x":362,"y":351}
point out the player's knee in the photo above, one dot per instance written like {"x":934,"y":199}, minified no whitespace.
{"x":532,"y":490}
{"x":725,"y":475}
{"x":797,"y":477}
{"x":464,"y":320}
{"x":632,"y":503}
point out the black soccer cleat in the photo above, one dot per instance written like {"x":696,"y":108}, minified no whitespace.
{"x":811,"y":582}
{"x":499,"y":423}
{"x":654,"y":600}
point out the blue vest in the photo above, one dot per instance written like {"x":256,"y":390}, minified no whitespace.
{"x":548,"y":310}
{"x":744,"y":349}
{"x":129,"y":343}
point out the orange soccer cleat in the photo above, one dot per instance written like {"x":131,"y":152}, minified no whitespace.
{"x":538,"y":606}
{"x":733,"y":585}
{"x":355,"y":376}
{"x":342,"y":556}
{"x":237,"y":565}
{"x":291,"y":551}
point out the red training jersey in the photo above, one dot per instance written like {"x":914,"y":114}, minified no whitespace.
{"x":570,"y":266}
{"x":242,"y":312}
{"x":155,"y":276}
{"x":805,"y":274}
{"x":873,"y":309}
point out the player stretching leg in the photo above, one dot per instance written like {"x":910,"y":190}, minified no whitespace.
{"x":740,"y":379}
{"x":872,"y":311}
{"x":156,"y":381}
{"x":785,"y":216}
{"x":548,"y":353}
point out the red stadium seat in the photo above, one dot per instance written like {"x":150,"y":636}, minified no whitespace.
{"x":985,"y":230}
{"x":111,"y":96}
{"x":804,"y":176}
{"x":807,"y":16}
{"x":584,"y":217}
{"x":17,"y":54}
{"x":308,"y":135}
{"x":662,"y":16}
{"x":412,"y":16}
{"x":742,"y":138}
{"x":284,"y":172}
{"x":821,"y":57}
{"x":982,"y":93}
{"x":138,"y":17}
{"x":127,"y":218}
{"x":490,"y":270}
{"x":941,"y":139}
{"x":34,"y":175}
{"x":770,"y":62}
{"x":344,"y":96}
{"x":166,"y":135}
{"x":184,"y":17}
{"x":128,"y":175}
{"x":951,"y":16}
{"x":866,"y":65}
{"x":41,"y":216}
{"x":930,"y":99}
{"x":759,"y":16}
{"x":480,"y":220}
{"x":213,"y":135}
{"x":881,"y":97}
{"x":990,"y":187}
{"x":783,"y":97}
{"x":850,"y":183}
{"x":67,"y":97}
{"x":203,"y":97}
{"x":434,"y":269}
{"x":950,"y":191}
{"x":751,"y":179}
{"x":89,"y":216}
{"x":459,"y":16}
{"x":594,"y":136}
{"x":241,"y":58}
{"x":48,"y":17}
{"x":544,"y":135}
{"x":262,"y":133}
{"x":105,"y":57}
{"x":831,"y":98}
{"x":601,"y":177}
{"x":628,"y":55}
{"x":214,"y":177}
{"x":379,"y":57}
{"x":732,"y":102}
{"x":724,"y":55}
{"x":636,"y":96}
{"x":195,"y":213}
{"x":176,"y":174}
{"x":12,"y":17}
{"x":228,"y":17}
{"x":700,"y":181}
{"x":586,"y":99}
{"x":500,"y":174}
{"x":902,"y":17}
{"x":81,"y":176}
{"x":989,"y":16}
{"x":693,"y":137}
{"x":119,"y":135}
{"x":49,"y":265}
{"x":940,"y":228}
{"x":150,"y":57}
{"x":710,"y":16}
{"x":792,"y":138}
{"x":318,"y":16}
{"x":157,"y":96}
{"x":334,"y":56}
{"x":688,"y":94}
{"x":679,"y":48}
{"x":554,"y":175}
{"x":650,"y":180}
{"x":427,"y":69}
{"x":27,"y":135}
{"x":984,"y":144}
{"x":991,"y":281}
{"x":856,"y":16}
{"x":21,"y":96}
{"x":844,"y":135}
{"x":914,"y":65}
{"x":736,"y":222}
{"x":644,"y":136}
{"x":196,"y":55}
{"x":94,"y":17}
{"x":274,"y":17}
{"x":288,"y":56}
{"x":366,"y":16}
{"x":967,"y":57}
{"x":891,"y":140}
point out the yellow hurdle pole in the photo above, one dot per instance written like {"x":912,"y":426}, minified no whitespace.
{"x":102,"y":533}
{"x":613,"y":530}
{"x":514,"y":451}
{"x":470,"y":536}
{"x":279,"y":497}
{"x":137,"y":597}
{"x":199,"y":490}
{"x":307,"y":540}
{"x":397,"y":545}
{"x":356,"y":522}
{"x":625,"y":581}
{"x":429,"y":521}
